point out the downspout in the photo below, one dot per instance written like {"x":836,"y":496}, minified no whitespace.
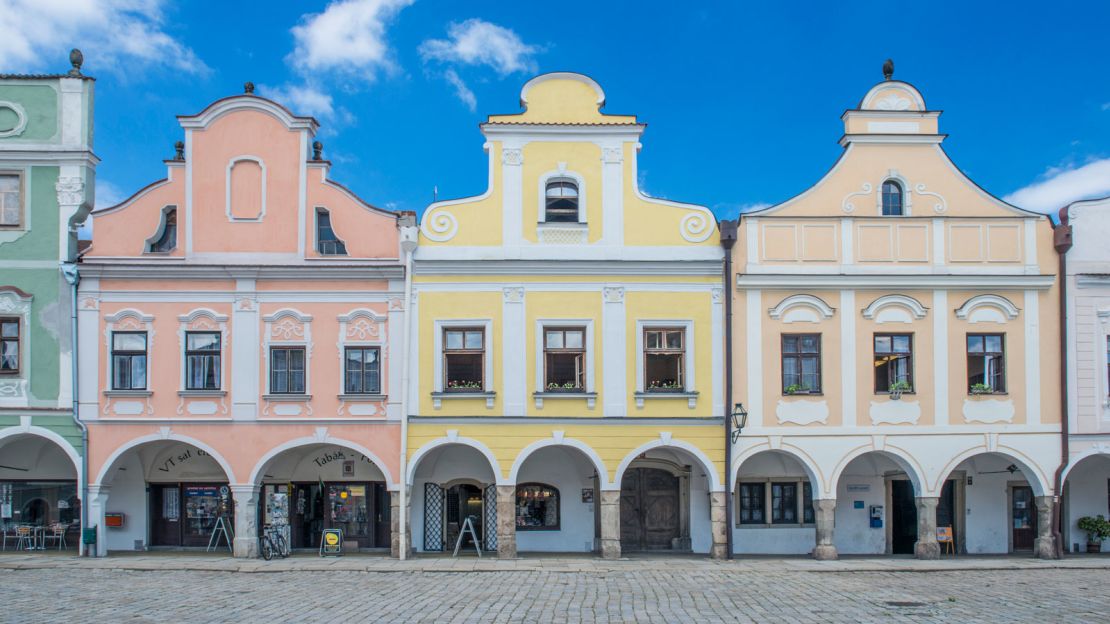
{"x":728,"y":239}
{"x":408,"y":245}
{"x":1062,"y":240}
{"x":73,"y":278}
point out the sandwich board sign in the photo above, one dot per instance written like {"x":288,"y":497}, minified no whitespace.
{"x":331,"y":543}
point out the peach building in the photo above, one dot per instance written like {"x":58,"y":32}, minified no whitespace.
{"x":240,"y":325}
{"x":896,"y":338}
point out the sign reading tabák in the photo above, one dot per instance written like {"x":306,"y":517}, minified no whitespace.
{"x":331,"y":543}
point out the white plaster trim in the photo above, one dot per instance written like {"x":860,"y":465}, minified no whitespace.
{"x":14,"y":389}
{"x":1033,"y":379}
{"x":561,"y":173}
{"x":370,"y":333}
{"x":810,"y":466}
{"x":802,"y":412}
{"x":291,"y":338}
{"x":437,"y":365}
{"x":695,"y":227}
{"x":806,"y":308}
{"x":227,"y":189}
{"x":452,"y":439}
{"x":848,"y":359}
{"x":940,"y":206}
{"x":706,"y":464}
{"x":905,"y":309}
{"x":987,"y":309}
{"x":869,"y":104}
{"x":898,"y":412}
{"x":21,"y":119}
{"x":260,"y":467}
{"x":219,"y":324}
{"x":247,"y":102}
{"x":754,"y":342}
{"x":988,"y":410}
{"x":879,"y":444}
{"x":164,"y":434}
{"x":590,"y":453}
{"x":588,"y":325}
{"x":688,"y":382}
{"x":940,"y":360}
{"x":438,"y":224}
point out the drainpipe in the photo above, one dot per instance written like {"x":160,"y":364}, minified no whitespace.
{"x":408,"y":245}
{"x":728,"y":239}
{"x":1062,"y":240}
{"x":73,"y":277}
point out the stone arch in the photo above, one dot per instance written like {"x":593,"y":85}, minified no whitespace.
{"x":423,"y":451}
{"x":590,"y":453}
{"x":901,"y":458}
{"x":1038,"y":480}
{"x":662,"y":442}
{"x":260,"y":466}
{"x":812,"y":470}
{"x":109,"y":463}
{"x":1075,"y":461}
{"x":41,"y":432}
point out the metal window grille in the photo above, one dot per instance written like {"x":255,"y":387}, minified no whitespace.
{"x":433,"y":517}
{"x":490,"y":520}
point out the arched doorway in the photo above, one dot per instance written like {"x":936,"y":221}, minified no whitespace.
{"x":164,"y":494}
{"x":452,"y":482}
{"x":1086,"y":493}
{"x":315,"y":486}
{"x":773,"y":505}
{"x":39,"y":484}
{"x":557,"y":491}
{"x":877,"y":494}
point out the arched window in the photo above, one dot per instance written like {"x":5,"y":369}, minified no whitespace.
{"x":892,"y":199}
{"x":168,"y":240}
{"x":562,"y":201}
{"x":537,"y":507}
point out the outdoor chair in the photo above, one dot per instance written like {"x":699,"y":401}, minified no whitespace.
{"x":56,"y":532}
{"x":9,"y":534}
{"x":24,"y":538}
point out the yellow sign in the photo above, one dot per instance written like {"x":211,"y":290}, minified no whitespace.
{"x":331,"y":543}
{"x":332,"y":539}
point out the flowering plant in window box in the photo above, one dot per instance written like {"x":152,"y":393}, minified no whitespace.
{"x":897,"y":388}
{"x":569,"y":386}
{"x":668,"y":385}
{"x":981,"y":388}
{"x":464,"y":384}
{"x":796,"y":389}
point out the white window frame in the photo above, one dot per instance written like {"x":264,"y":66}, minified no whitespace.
{"x":590,"y":391}
{"x":907,"y":195}
{"x":14,"y":388}
{"x":690,"y":393}
{"x":305,"y":340}
{"x":438,"y":393}
{"x":201,"y":320}
{"x":552,"y":176}
{"x":352,"y":334}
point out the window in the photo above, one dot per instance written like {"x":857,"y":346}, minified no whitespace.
{"x":664,"y":359}
{"x":9,"y":346}
{"x":287,"y":370}
{"x":779,"y":498}
{"x":1108,"y":364}
{"x":537,"y":507}
{"x":564,"y":357}
{"x":893,"y":362}
{"x":752,"y":503}
{"x":464,"y":355}
{"x":801,"y":363}
{"x":202,"y":361}
{"x":11,"y":202}
{"x":129,"y":360}
{"x":892,"y":199}
{"x":986,"y":363}
{"x":561,"y":202}
{"x":168,"y":240}
{"x":327,"y":243}
{"x":362,"y":371}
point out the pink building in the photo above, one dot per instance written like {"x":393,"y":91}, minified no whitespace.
{"x":241,"y":324}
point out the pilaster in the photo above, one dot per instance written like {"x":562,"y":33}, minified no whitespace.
{"x":506,"y":522}
{"x":927,"y":546}
{"x":825,"y":516}
{"x":245,"y":542}
{"x":611,"y":524}
{"x":717,"y":523}
{"x":1044,"y":547}
{"x":614,"y":381}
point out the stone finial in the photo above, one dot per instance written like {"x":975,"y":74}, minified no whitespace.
{"x":76,"y":59}
{"x":888,"y":69}
{"x":179,"y":150}
{"x":248,"y":88}
{"x":317,"y":150}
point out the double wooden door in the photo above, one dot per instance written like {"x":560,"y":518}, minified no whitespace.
{"x":650,"y":510}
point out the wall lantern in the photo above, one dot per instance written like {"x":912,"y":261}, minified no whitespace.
{"x":739,"y":421}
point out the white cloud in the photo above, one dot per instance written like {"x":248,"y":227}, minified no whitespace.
{"x":733,"y":211}
{"x":477,"y":42}
{"x":301,"y":99}
{"x":349,"y":37}
{"x":461,"y":90}
{"x":108,"y":194}
{"x":1059,"y":186}
{"x":115,"y":35}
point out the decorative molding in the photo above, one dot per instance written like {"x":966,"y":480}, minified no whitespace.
{"x":988,"y":410}
{"x":850,"y":207}
{"x":513,"y":294}
{"x":942,"y":204}
{"x":801,"y":308}
{"x":440,"y":226}
{"x":987,"y":309}
{"x":512,"y":156}
{"x":893,"y":102}
{"x":697,"y":227}
{"x":718,"y":295}
{"x":802,"y":412}
{"x":612,"y":155}
{"x":613,"y":294}
{"x":227,"y":189}
{"x":71,"y":191}
{"x":20,"y":119}
{"x":895,"y":309}
{"x":897,"y":412}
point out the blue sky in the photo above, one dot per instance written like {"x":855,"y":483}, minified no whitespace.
{"x":742,"y":101}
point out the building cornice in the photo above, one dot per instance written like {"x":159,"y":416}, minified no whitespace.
{"x":161,"y":269}
{"x":810,"y":281}
{"x":568,"y":267}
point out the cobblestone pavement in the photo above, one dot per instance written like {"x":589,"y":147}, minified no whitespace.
{"x":640,"y":591}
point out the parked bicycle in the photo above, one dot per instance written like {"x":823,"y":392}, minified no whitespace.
{"x":272,"y":542}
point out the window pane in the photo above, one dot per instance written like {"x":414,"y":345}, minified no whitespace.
{"x":9,"y":355}
{"x":9,"y":183}
{"x":790,"y":373}
{"x":994,"y":344}
{"x":202,"y":342}
{"x":810,"y":379}
{"x":674,"y":340}
{"x":974,"y":344}
{"x":279,"y":360}
{"x":807,"y":504}
{"x":354,"y":359}
{"x":463,"y":371}
{"x":751,"y":503}
{"x":537,"y":507}
{"x":564,"y":371}
{"x":454,"y":340}
{"x":138,"y":372}
{"x":901,"y":344}
{"x":789,"y":344}
{"x":554,"y":340}
{"x":129,"y":342}
{"x":296,"y":360}
{"x":810,"y":343}
{"x":10,"y":329}
{"x":574,"y":339}
{"x":882,"y":344}
{"x":663,"y":371}
{"x":473,"y":340}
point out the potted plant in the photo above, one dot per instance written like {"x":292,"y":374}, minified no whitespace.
{"x":1097,"y":528}
{"x":668,"y":385}
{"x":981,"y":388}
{"x":795,"y":389}
{"x":566,"y":387}
{"x":461,"y":385}
{"x":897,"y":388}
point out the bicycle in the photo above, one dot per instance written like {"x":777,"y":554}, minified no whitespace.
{"x":272,"y":541}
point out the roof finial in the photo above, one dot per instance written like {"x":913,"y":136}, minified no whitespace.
{"x":888,"y":69}
{"x":248,"y":87}
{"x":76,"y":59}
{"x":317,"y":150}
{"x":179,"y":150}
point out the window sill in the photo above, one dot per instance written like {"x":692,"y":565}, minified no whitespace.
{"x":201,"y":393}
{"x":361,"y":397}
{"x":127,"y":393}
{"x":808,"y":525}
{"x":804,"y":394}
{"x":972,"y":395}
{"x":562,"y":232}
{"x":691,"y":397}
{"x":591,"y":397}
{"x":287,"y":397}
{"x":438,"y":397}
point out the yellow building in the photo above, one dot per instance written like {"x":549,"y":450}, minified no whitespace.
{"x":568,"y":391}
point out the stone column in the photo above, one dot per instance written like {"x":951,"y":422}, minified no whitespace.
{"x":395,"y":525}
{"x":718,"y":525}
{"x":927,"y":546}
{"x":245,"y":542}
{"x":611,"y":524}
{"x":98,"y":503}
{"x":1044,"y":547}
{"x":506,"y":522}
{"x":824,"y":512}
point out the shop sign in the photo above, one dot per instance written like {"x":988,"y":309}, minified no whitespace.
{"x":331,"y":543}
{"x":180,"y":458}
{"x":202,"y":490}
{"x":339,"y":454}
{"x":859,"y":487}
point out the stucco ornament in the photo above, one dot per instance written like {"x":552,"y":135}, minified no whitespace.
{"x":893,"y":102}
{"x":71,"y":191}
{"x":942,"y":203}
{"x":441,"y":226}
{"x":696,"y":227}
{"x":848,"y":206}
{"x":17,"y":127}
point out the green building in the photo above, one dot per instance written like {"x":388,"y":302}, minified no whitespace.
{"x":47,"y":182}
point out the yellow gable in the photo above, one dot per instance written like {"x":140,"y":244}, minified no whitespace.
{"x":562,"y":98}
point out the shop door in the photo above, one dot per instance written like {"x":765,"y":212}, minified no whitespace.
{"x":350,"y":509}
{"x":165,"y":514}
{"x":650,"y":514}
{"x":307,"y":511}
{"x":202,"y":509}
{"x":462,"y":501}
{"x":1025,"y":518}
{"x":946,"y":510}
{"x":903,"y":517}
{"x":381,"y":516}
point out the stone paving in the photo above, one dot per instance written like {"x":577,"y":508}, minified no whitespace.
{"x":195,"y":588}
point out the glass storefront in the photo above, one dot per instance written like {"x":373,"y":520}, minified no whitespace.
{"x":39,"y":503}
{"x":361,"y":510}
{"x":185,"y":514}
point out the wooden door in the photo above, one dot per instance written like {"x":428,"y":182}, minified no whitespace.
{"x":650,"y":513}
{"x":381,"y":516}
{"x":1024,"y":514}
{"x":165,"y":514}
{"x":903,"y":517}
